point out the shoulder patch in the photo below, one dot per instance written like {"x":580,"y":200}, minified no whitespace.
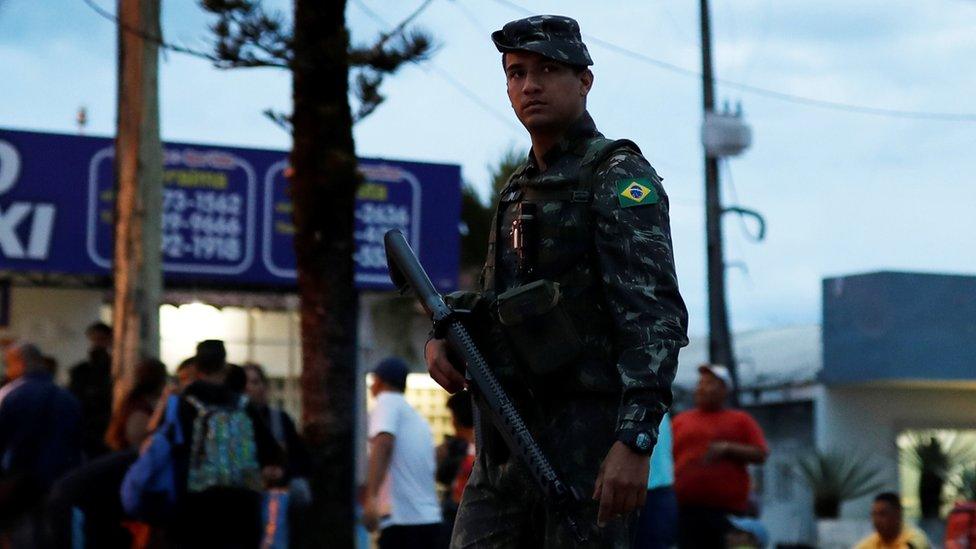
{"x":636,"y":192}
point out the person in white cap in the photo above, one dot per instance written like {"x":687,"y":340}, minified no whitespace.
{"x":712,"y":447}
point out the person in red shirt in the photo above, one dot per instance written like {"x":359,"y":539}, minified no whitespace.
{"x":712,"y":447}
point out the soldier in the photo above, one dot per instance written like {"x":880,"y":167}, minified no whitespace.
{"x":580,"y":281}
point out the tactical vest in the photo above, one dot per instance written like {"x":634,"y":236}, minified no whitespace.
{"x":564,"y":253}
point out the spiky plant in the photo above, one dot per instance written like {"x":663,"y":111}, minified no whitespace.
{"x":835,"y":477}
{"x":966,"y":484}
{"x":936,"y":455}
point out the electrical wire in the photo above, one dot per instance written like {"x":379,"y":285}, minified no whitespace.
{"x":142,"y":33}
{"x":470,"y":16}
{"x":370,"y":13}
{"x":770,"y":93}
{"x":430,"y":66}
{"x":727,"y":168}
{"x":488,"y":109}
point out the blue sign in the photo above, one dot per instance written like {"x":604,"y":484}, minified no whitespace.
{"x":226,"y":212}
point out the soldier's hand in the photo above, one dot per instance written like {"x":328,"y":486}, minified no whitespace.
{"x":621,"y":485}
{"x":440,"y":367}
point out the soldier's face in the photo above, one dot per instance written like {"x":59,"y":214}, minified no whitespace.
{"x":546,"y":95}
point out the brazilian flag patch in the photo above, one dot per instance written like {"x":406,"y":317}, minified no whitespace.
{"x":636,"y":192}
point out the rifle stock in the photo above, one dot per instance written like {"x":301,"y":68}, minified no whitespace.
{"x":407,"y":273}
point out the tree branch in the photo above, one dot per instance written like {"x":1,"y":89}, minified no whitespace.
{"x":248,"y":36}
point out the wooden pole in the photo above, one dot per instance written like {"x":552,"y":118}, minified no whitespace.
{"x":136,"y":268}
{"x":720,"y":349}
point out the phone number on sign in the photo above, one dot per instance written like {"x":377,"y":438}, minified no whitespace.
{"x":202,"y":247}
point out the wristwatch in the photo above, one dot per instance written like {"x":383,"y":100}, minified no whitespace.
{"x":638,"y":441}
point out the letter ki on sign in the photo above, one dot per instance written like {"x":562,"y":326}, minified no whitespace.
{"x":37,"y":218}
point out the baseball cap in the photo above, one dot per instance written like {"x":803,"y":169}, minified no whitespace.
{"x":719,"y":371}
{"x":553,"y":36}
{"x":392,"y":370}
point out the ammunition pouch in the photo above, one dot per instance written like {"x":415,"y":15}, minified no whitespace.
{"x":538,"y":328}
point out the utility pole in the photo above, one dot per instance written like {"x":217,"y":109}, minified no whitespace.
{"x":137,"y":264}
{"x":720,"y":340}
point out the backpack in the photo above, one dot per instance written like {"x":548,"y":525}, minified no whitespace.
{"x":223,"y":452}
{"x":148,"y":490}
{"x":961,"y":527}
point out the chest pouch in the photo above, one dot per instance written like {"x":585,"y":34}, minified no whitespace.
{"x":539,"y":329}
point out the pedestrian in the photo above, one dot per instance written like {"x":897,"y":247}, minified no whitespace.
{"x":129,"y":425}
{"x":658,"y":526}
{"x":228,"y":457}
{"x":90,"y":381}
{"x":281,"y":425}
{"x":186,"y":373}
{"x":40,"y":440}
{"x":890,"y":530}
{"x":580,"y":279}
{"x":455,"y":460}
{"x":235,"y":379}
{"x":400,"y":498}
{"x":713,"y":445}
{"x":296,"y":458}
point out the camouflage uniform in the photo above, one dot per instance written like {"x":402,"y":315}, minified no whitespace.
{"x":607,"y":244}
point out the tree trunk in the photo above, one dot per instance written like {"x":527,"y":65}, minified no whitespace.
{"x":323,"y":187}
{"x":138,"y":209}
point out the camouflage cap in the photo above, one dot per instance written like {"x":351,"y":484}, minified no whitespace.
{"x":552,"y":36}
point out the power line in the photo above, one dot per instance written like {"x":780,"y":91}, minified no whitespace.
{"x":724,"y":163}
{"x":403,"y":24}
{"x":488,"y":109}
{"x":766,"y":92}
{"x":446,"y":75}
{"x":471,"y":17}
{"x":142,"y":33}
{"x":369,"y":12}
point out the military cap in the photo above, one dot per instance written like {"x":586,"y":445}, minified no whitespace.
{"x":552,"y":36}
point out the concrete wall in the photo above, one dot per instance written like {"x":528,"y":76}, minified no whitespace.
{"x":55,"y":319}
{"x":867,"y":420}
{"x":785,"y":502}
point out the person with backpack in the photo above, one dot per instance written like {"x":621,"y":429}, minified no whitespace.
{"x":226,"y":458}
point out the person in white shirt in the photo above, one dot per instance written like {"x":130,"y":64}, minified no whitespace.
{"x":401,"y":498}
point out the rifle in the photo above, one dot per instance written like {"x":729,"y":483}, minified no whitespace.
{"x":407,"y":273}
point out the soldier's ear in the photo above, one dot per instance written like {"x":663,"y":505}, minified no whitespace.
{"x":586,"y":82}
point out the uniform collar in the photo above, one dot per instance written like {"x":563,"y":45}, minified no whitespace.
{"x":574,"y":140}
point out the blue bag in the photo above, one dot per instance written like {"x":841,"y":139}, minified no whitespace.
{"x":149,"y":489}
{"x":275,"y":514}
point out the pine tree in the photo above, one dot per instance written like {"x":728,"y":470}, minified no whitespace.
{"x":323,"y":182}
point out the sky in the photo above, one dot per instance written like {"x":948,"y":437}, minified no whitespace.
{"x":841,"y":192}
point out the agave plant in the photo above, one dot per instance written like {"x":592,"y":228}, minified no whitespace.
{"x":936,"y":455}
{"x":966,"y":484}
{"x":835,"y":477}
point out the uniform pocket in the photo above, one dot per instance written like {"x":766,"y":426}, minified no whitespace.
{"x":538,"y":327}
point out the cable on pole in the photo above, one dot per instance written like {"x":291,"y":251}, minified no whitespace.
{"x":770,"y":93}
